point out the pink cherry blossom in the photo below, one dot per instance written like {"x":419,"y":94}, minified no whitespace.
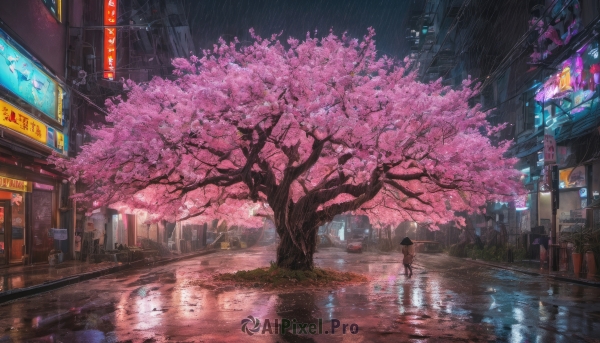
{"x":299,"y":132}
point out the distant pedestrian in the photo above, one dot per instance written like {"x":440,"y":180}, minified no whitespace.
{"x":77,"y":246}
{"x":408,"y":250}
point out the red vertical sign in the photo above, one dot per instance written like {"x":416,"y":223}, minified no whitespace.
{"x":549,"y":147}
{"x":110,"y":38}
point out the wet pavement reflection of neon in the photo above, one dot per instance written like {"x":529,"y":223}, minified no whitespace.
{"x":445,"y":300}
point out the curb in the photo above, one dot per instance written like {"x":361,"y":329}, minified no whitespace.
{"x":18,"y":293}
{"x":555,"y":277}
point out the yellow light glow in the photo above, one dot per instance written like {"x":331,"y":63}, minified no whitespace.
{"x":16,"y":120}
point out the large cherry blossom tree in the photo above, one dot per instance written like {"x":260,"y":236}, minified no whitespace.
{"x":299,"y":132}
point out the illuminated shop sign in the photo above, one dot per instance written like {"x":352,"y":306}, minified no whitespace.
{"x":55,"y":7}
{"x":571,"y":177}
{"x":110,"y":39}
{"x":22,"y":77}
{"x":43,"y":186}
{"x":16,"y":120}
{"x":571,"y":89}
{"x":110,"y":12}
{"x":14,"y":184}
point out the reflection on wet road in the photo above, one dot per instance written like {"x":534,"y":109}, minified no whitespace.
{"x":446,"y":300}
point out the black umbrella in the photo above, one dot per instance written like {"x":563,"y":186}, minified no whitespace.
{"x":406,"y":241}
{"x":541,"y":241}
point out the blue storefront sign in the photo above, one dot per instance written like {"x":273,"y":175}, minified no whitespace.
{"x":20,"y":75}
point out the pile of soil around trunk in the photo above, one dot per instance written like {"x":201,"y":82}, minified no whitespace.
{"x":275,"y":277}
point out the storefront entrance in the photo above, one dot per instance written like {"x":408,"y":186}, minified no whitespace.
{"x":123,"y":231}
{"x":12,"y":227}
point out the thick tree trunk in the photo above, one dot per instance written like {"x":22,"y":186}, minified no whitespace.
{"x":292,"y":256}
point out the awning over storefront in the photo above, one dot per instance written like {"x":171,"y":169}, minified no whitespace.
{"x":10,"y":144}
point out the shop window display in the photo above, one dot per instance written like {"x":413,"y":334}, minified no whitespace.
{"x":12,"y":227}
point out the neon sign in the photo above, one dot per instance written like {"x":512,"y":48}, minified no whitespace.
{"x":565,"y":80}
{"x":16,"y":120}
{"x":110,"y":12}
{"x":14,"y":184}
{"x":110,"y":38}
{"x":22,"y":76}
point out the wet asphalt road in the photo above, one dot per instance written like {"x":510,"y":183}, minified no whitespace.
{"x":446,"y":300}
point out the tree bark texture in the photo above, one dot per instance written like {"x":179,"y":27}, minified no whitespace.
{"x":296,"y":253}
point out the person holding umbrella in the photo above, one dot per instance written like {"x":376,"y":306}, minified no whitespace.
{"x":408,"y":250}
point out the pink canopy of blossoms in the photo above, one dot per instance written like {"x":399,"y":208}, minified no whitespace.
{"x":338,"y":127}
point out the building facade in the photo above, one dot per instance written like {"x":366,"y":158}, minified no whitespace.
{"x":59,"y":62}
{"x":34,"y":122}
{"x":547,"y":90}
{"x":536,"y":63}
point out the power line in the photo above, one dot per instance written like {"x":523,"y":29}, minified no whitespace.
{"x":88,"y":100}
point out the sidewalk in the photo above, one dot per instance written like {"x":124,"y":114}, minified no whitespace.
{"x":15,"y":277}
{"x":531,"y":268}
{"x":21,"y":281}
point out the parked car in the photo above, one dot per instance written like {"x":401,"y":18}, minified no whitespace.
{"x":355,"y":244}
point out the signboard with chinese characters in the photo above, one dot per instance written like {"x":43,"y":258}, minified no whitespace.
{"x":110,"y":12}
{"x":110,"y":38}
{"x":14,"y":184}
{"x":55,"y":7}
{"x":549,"y":147}
{"x":20,"y":75}
{"x":16,"y":120}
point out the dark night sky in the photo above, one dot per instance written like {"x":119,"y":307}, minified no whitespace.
{"x":211,"y":19}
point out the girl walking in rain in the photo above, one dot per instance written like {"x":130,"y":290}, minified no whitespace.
{"x":408,"y":250}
